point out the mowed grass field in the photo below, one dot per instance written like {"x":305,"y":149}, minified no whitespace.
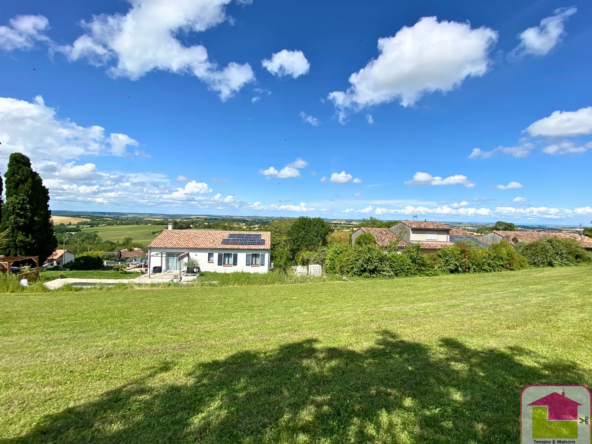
{"x":140,"y":233}
{"x":418,"y":360}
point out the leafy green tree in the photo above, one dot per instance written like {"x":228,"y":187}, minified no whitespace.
{"x":504,"y":226}
{"x":373,"y":222}
{"x":588,"y":232}
{"x":29,"y":217}
{"x":365,"y":239}
{"x":499,"y":226}
{"x":280,"y":243}
{"x":308,"y":232}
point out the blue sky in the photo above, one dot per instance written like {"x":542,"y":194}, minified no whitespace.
{"x":468,"y":111}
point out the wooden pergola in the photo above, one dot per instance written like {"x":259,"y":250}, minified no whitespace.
{"x":8,"y":261}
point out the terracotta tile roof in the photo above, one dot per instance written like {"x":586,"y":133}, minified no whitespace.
{"x":205,"y":239}
{"x":434,"y":245}
{"x":425,"y":225}
{"x":530,"y":236}
{"x":130,"y":254}
{"x":459,"y":232}
{"x":57,"y":254}
{"x":383,"y":236}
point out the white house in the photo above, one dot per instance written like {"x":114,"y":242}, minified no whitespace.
{"x":430,"y":236}
{"x":214,"y":251}
{"x":59,"y":258}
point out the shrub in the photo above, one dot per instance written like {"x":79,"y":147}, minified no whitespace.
{"x":110,"y":256}
{"x":93,"y":253}
{"x":423,"y":264}
{"x":554,"y":252}
{"x":400,"y":265}
{"x":305,"y":257}
{"x":85,"y":263}
{"x":365,"y":239}
{"x":333,"y":257}
{"x":502,"y":256}
{"x":366,"y":261}
{"x":120,"y":268}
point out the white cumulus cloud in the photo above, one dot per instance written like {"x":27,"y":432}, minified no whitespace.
{"x":288,"y":172}
{"x":24,"y":31}
{"x":567,"y":147}
{"x":583,"y":210}
{"x":564,"y":124}
{"x":34,"y":129}
{"x":523,"y":149}
{"x":540,"y":40}
{"x":299,"y":163}
{"x":340,"y":178}
{"x":427,"y":57}
{"x":368,"y":209}
{"x":323,"y":179}
{"x":309,"y":119}
{"x":145,"y":39}
{"x":438,"y":211}
{"x":357,"y":180}
{"x":271,"y":171}
{"x":191,"y":188}
{"x":287,"y":63}
{"x":520,"y":199}
{"x":427,"y":179}
{"x":510,"y":186}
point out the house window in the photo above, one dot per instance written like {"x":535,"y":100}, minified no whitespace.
{"x":432,"y":236}
{"x":227,"y":259}
{"x":210,"y":258}
{"x":256,"y":259}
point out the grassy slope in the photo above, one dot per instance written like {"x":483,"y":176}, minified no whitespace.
{"x":426,"y":360}
{"x":140,"y":233}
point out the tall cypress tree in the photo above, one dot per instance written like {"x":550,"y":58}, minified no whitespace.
{"x":1,"y":200}
{"x":27,"y":216}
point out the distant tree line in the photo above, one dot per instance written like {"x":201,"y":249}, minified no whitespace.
{"x":86,"y":242}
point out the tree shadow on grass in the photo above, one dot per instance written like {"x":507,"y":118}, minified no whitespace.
{"x":396,"y":391}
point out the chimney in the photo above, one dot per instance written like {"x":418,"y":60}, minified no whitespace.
{"x":170,"y":226}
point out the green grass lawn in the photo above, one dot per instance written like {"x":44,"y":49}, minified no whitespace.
{"x":417,"y":360}
{"x":90,"y":274}
{"x":140,"y":233}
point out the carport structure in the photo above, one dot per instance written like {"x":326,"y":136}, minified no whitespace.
{"x":8,"y":261}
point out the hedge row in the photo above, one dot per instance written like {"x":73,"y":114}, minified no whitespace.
{"x":371,"y":261}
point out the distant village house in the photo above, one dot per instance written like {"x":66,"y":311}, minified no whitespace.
{"x":59,"y":257}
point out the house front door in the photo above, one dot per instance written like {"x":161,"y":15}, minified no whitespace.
{"x":173,"y":262}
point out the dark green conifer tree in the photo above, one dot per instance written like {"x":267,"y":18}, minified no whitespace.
{"x":27,"y":215}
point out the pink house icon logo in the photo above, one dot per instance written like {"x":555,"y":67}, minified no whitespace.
{"x":559,"y":407}
{"x":555,"y":414}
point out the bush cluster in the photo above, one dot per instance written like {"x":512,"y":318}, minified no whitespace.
{"x":369,"y":261}
{"x":554,"y":252}
{"x":85,"y":263}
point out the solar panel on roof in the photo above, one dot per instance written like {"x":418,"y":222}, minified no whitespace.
{"x":243,"y":239}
